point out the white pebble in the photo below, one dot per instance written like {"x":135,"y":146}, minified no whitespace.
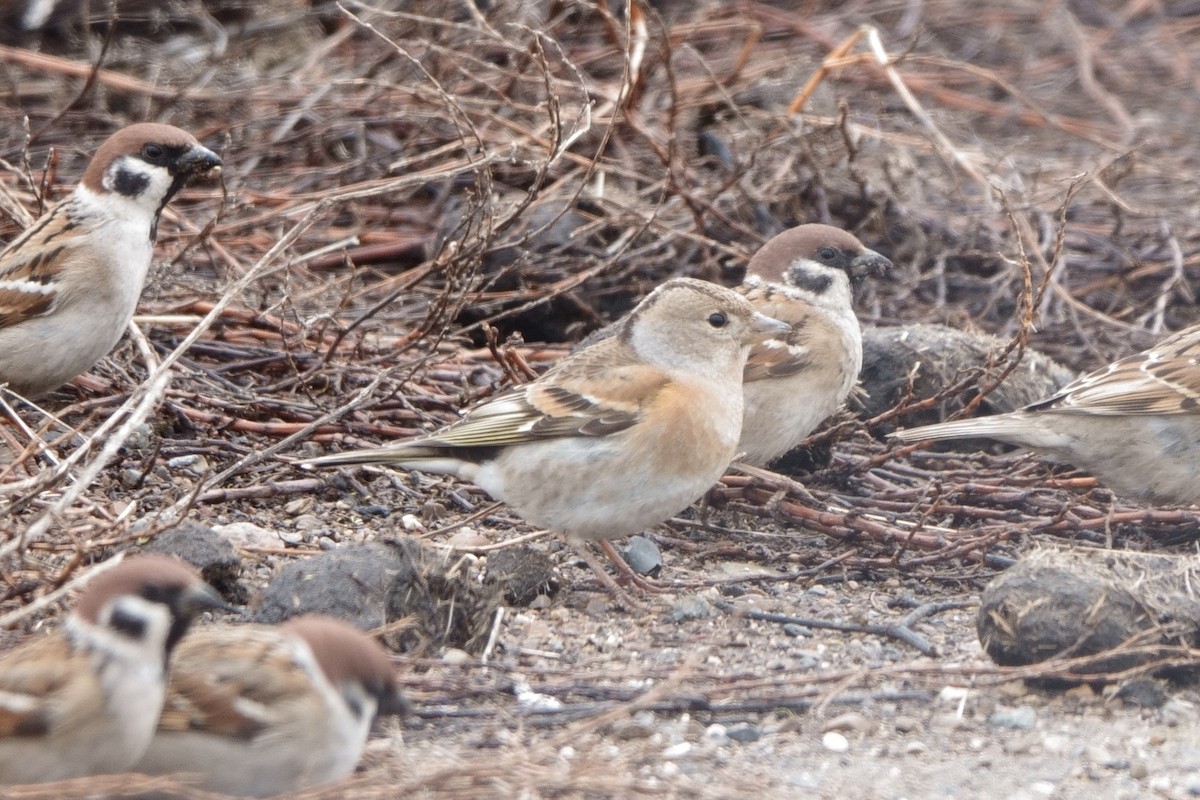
{"x":834,"y":742}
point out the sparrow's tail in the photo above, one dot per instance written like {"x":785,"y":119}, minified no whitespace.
{"x":1014,"y":429}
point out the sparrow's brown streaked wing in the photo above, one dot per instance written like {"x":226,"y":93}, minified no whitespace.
{"x":1162,"y":380}
{"x":30,"y":266}
{"x":210,"y":690}
{"x":46,"y":688}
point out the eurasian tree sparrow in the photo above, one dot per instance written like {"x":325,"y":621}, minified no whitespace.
{"x":259,"y":710}
{"x":805,"y":277}
{"x":619,"y":435}
{"x":69,"y":284}
{"x":1135,"y":424}
{"x":85,"y":700}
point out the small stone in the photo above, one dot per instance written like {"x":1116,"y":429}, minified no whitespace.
{"x":916,"y":748}
{"x":643,"y":556}
{"x":292,"y":537}
{"x":945,"y":723}
{"x":1142,"y":692}
{"x":1100,"y":756}
{"x":1019,"y":718}
{"x":456,"y":657}
{"x":1138,"y":770}
{"x":678,"y":750}
{"x":300,"y":505}
{"x":690,"y":607}
{"x":192,"y":464}
{"x":796,"y":631}
{"x":906,"y":724}
{"x":467,"y":538}
{"x":140,"y":438}
{"x":309,"y":522}
{"x":131,"y":478}
{"x":630,"y":729}
{"x":372,"y":510}
{"x":716,"y":734}
{"x":745,"y":734}
{"x":834,"y":742}
{"x":327,"y":544}
{"x":247,"y":534}
{"x":1084,"y":693}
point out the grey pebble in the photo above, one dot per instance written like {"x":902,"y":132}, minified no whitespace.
{"x":1019,"y":718}
{"x":792,"y":629}
{"x":372,"y":510}
{"x":744,"y":734}
{"x":690,"y":607}
{"x":643,"y":556}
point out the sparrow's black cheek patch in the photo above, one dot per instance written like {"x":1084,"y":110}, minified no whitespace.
{"x":129,"y":183}
{"x":813,"y":282}
{"x":131,"y":625}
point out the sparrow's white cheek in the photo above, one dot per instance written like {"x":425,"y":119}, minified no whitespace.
{"x":131,"y":181}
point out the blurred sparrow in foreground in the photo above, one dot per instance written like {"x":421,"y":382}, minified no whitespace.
{"x":617,"y":436}
{"x":69,"y":284}
{"x":1135,"y":424}
{"x":85,"y":699}
{"x":259,"y":710}
{"x":805,"y":277}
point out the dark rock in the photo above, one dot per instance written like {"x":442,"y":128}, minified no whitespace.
{"x":206,"y":550}
{"x":1142,"y":692}
{"x":1082,"y":603}
{"x":350,"y":583}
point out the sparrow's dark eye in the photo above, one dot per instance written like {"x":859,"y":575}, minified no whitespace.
{"x":827,"y":253}
{"x":153,"y":152}
{"x":717,"y":319}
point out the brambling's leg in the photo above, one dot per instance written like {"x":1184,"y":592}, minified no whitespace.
{"x":618,"y":594}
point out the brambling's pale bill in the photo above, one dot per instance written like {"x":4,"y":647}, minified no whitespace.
{"x":619,"y":435}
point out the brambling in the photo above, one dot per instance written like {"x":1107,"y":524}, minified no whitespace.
{"x":1134,"y":424}
{"x":619,"y":435}
{"x":69,"y":284}
{"x":260,"y":710}
{"x":805,"y":277}
{"x":85,"y":700}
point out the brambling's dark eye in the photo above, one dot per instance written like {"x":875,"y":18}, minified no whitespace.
{"x":153,"y":152}
{"x":717,"y":319}
{"x":827,"y":253}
